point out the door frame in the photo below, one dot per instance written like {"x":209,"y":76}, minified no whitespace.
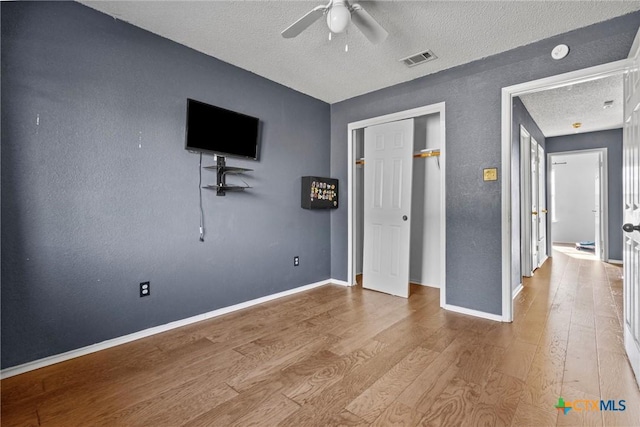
{"x":542,"y":204}
{"x":534,"y":181}
{"x":527,"y":262}
{"x":509,"y":241}
{"x":604,"y":196}
{"x":525,"y":203}
{"x":351,"y":185}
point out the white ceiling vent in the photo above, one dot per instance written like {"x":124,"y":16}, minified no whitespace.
{"x":419,"y":58}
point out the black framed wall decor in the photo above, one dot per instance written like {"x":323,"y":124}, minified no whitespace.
{"x":319,"y":193}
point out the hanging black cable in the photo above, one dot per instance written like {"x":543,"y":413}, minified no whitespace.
{"x":200,"y":190}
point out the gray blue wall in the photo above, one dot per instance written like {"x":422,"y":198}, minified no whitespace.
{"x":98,"y":193}
{"x":520,"y":116}
{"x":612,"y":141}
{"x":473,"y":110}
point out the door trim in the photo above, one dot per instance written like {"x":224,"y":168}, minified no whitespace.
{"x":604,"y":195}
{"x":525,"y":203}
{"x":542,"y":204}
{"x":508,"y":93}
{"x":351,"y":184}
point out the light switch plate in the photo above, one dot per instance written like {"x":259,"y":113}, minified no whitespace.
{"x":490,"y":174}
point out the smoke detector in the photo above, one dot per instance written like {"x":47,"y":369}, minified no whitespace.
{"x":560,"y":51}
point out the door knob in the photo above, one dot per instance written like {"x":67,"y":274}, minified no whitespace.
{"x":629,"y":228}
{"x":534,"y":213}
{"x":544,"y":211}
{"x":404,"y":217}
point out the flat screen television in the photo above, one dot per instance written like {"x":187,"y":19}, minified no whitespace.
{"x":215,"y":130}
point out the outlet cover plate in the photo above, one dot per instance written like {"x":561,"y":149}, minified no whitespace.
{"x":145,"y":289}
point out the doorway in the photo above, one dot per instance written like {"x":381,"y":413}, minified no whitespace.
{"x":533,"y":211}
{"x":435,"y":115}
{"x":510,"y":201}
{"x":579,"y":201}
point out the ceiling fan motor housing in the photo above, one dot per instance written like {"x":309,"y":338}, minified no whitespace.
{"x":338,"y":17}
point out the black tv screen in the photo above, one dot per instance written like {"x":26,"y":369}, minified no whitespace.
{"x":219,"y":131}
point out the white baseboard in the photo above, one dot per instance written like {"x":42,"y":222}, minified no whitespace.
{"x":517,"y":290}
{"x":424,"y":284}
{"x":339,"y":282}
{"x":470,"y":312}
{"x":51,"y":360}
{"x":615,"y":261}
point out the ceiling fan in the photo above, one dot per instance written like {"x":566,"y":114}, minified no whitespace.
{"x":339,"y":14}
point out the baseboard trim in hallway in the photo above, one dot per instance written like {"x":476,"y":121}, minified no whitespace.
{"x":516,"y":291}
{"x":470,"y":312}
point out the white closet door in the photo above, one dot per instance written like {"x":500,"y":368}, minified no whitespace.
{"x":388,"y":153}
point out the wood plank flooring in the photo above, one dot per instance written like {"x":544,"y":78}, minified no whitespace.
{"x":336,"y":356}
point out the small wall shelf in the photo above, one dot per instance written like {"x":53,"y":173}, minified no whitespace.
{"x":221,"y":186}
{"x":230,"y":170}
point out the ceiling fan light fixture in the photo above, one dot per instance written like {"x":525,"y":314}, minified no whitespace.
{"x":338,"y":17}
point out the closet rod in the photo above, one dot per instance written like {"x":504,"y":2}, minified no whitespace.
{"x":422,"y":154}
{"x":427,"y":154}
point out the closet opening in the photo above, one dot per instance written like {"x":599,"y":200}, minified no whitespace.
{"x":426,"y":240}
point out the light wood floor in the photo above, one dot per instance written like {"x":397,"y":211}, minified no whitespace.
{"x":345,"y":356}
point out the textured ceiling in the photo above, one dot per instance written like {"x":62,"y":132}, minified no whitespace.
{"x":247,"y":34}
{"x":554,"y":111}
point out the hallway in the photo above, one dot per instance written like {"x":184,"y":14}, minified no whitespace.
{"x":571,"y":311}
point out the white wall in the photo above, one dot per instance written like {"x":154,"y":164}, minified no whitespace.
{"x":424,"y":264}
{"x":573,"y":197}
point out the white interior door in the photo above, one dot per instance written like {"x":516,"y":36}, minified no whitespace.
{"x":535,"y":218}
{"x":631,"y":190}
{"x":525,"y":203}
{"x":542,"y":207}
{"x":598,"y":216}
{"x":388,"y":153}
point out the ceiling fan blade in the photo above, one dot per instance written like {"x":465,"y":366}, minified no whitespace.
{"x":303,"y":23}
{"x":369,"y":27}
